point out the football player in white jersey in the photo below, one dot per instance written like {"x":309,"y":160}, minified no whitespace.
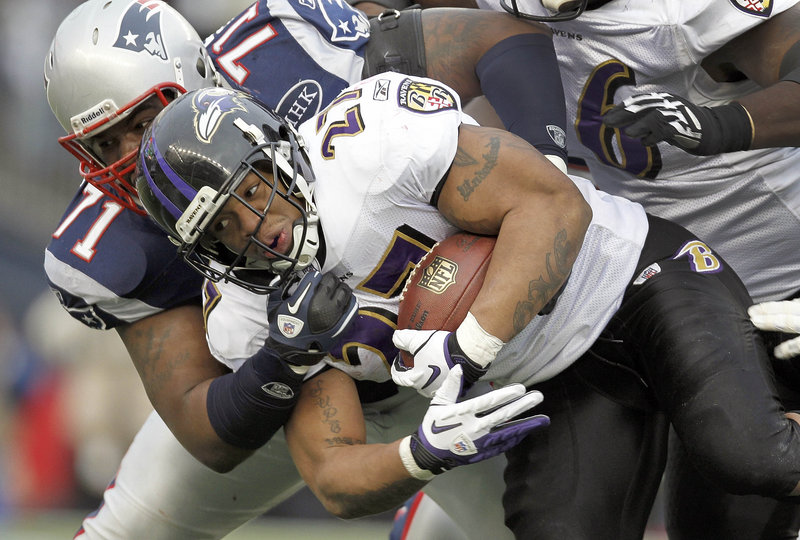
{"x":692,"y":109}
{"x":647,"y":329}
{"x":112,"y":269}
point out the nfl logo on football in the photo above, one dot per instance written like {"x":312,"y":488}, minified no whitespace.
{"x":438,"y":275}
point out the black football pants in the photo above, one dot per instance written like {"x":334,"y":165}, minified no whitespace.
{"x":679,"y":352}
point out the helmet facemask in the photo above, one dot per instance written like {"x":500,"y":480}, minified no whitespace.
{"x":115,"y":179}
{"x":106,"y":59}
{"x":257,"y":274}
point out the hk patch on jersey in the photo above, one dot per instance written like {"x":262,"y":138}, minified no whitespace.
{"x":422,"y":97}
{"x":761,"y":8}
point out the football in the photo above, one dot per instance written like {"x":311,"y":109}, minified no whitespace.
{"x":441,"y":288}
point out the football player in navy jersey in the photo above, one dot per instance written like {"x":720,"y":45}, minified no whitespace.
{"x":112,"y":269}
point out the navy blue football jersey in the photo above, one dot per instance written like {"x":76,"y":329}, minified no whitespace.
{"x":295,"y":56}
{"x":109,"y":265}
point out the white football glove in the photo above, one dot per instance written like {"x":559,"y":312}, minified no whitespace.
{"x":435,"y":353}
{"x":780,"y":316}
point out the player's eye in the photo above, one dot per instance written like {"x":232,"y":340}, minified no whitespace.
{"x":103,"y":148}
{"x":218,"y":226}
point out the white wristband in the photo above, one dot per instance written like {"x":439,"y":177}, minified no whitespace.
{"x":411,"y":464}
{"x":479,"y":345}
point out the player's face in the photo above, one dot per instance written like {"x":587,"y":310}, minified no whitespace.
{"x":124,"y":138}
{"x":236,"y":223}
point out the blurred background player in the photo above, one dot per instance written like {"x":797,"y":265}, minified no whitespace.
{"x":112,"y":269}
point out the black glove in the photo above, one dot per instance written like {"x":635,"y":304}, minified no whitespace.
{"x":702,"y":131}
{"x":304,"y":326}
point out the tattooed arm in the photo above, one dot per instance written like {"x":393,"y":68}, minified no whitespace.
{"x":326,"y":436}
{"x":500,"y":185}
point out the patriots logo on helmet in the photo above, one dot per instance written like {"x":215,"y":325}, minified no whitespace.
{"x":140,"y":29}
{"x":761,"y":8}
{"x":211,"y":105}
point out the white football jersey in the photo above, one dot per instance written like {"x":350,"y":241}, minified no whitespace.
{"x":745,"y":204}
{"x":378,"y":153}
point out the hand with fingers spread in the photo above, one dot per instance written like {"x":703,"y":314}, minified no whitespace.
{"x":456,"y":433}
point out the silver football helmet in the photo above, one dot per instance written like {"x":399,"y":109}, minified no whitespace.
{"x":108,"y":57}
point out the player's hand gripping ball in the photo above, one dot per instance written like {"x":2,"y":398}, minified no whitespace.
{"x":442,"y":287}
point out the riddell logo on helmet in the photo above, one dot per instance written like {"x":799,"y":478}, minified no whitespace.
{"x":93,"y":115}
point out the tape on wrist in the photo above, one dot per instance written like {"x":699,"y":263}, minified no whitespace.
{"x":411,"y":464}
{"x":479,"y":345}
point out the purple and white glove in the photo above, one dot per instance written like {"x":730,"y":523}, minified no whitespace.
{"x":454,"y":434}
{"x":702,"y":131}
{"x":436,"y":352}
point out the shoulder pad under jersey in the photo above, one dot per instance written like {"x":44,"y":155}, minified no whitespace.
{"x":109,"y":265}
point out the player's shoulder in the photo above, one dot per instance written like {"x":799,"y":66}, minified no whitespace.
{"x":116,"y":260}
{"x":418,"y":95}
{"x":113,"y":245}
{"x":387,"y":107}
{"x":337,"y":21}
{"x":708,"y":24}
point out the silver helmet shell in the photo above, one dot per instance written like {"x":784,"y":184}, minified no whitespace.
{"x":107,"y":57}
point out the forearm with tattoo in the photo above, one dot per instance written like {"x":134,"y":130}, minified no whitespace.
{"x":541,"y":290}
{"x":489,"y":162}
{"x":353,"y":505}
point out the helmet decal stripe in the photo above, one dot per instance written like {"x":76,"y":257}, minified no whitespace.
{"x":185,"y":189}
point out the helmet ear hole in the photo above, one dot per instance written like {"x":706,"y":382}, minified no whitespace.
{"x":270,"y":132}
{"x":201,"y":66}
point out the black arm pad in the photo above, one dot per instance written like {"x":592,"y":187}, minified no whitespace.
{"x":247,"y":407}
